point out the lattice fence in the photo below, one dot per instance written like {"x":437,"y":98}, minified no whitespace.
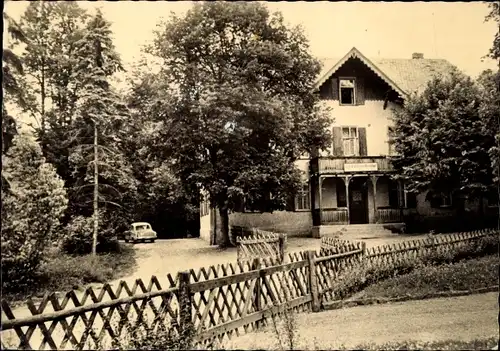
{"x":234,"y":304}
{"x":219,"y":301}
{"x":261,"y":244}
{"x":331,"y":245}
{"x":408,"y":250}
{"x":91,"y":320}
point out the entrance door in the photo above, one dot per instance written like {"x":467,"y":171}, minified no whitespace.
{"x":358,"y":201}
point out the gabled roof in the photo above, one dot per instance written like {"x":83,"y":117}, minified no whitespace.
{"x":405,"y":76}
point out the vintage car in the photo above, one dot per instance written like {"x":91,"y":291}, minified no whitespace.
{"x":140,"y":232}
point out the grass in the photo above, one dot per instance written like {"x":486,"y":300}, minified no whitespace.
{"x":465,"y":275}
{"x":62,"y":272}
{"x":478,"y":344}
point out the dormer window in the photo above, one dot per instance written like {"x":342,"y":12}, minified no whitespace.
{"x":346,"y":91}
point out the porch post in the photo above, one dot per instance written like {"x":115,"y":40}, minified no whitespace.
{"x":320,"y":200}
{"x":347,"y":180}
{"x":374,"y":179}
{"x":400,"y":199}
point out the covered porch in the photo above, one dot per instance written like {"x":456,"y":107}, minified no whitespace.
{"x":358,"y":199}
{"x":356,"y":190}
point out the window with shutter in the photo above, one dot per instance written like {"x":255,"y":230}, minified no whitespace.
{"x":350,"y":141}
{"x":347,"y":91}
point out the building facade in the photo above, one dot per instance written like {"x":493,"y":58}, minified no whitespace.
{"x":353,"y":181}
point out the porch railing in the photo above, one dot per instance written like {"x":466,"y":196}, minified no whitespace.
{"x":389,"y":215}
{"x":393,"y":215}
{"x":334,"y":216}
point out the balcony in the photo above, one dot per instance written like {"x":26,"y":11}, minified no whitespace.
{"x":349,"y":165}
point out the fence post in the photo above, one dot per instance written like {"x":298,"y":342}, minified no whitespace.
{"x":258,"y":288}
{"x":281,"y":244}
{"x":313,"y":282}
{"x":185,"y":320}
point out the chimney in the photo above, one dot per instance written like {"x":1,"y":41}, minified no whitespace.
{"x":417,"y":55}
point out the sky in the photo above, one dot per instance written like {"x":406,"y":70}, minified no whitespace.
{"x":454,"y":31}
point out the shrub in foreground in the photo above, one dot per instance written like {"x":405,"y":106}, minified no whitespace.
{"x":465,"y":275}
{"x":146,"y":337}
{"x":79,"y":235}
{"x":62,"y":272}
{"x":33,"y":201}
{"x":366,"y":273}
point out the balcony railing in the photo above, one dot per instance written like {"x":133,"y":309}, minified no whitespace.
{"x":354,"y":164}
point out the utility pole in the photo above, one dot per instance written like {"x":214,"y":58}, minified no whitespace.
{"x":96,"y":194}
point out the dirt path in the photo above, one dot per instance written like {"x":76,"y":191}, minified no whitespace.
{"x":460,"y":318}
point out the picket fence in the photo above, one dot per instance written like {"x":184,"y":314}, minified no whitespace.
{"x":219,"y":302}
{"x":261,"y":244}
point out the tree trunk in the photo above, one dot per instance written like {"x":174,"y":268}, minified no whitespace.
{"x":96,"y":195}
{"x":223,"y":232}
{"x":43,"y":97}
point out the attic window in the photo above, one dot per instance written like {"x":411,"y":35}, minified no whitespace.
{"x":346,"y":94}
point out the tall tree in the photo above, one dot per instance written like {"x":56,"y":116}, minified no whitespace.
{"x":243,"y":107}
{"x":100,"y":114}
{"x":53,"y":29}
{"x":494,"y":15}
{"x":11,"y":65}
{"x":52,"y":82}
{"x":440,"y":140}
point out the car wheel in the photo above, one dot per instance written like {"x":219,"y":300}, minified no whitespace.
{"x":152,"y":240}
{"x":126,"y":240}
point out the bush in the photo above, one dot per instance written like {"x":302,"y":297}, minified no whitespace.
{"x":145,"y":337}
{"x":359,"y":277}
{"x":465,"y":275}
{"x":62,"y":272}
{"x":32,"y":204}
{"x":79,"y":235}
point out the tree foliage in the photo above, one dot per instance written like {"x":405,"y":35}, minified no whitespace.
{"x":489,"y":83}
{"x":494,"y":15}
{"x":11,"y":64}
{"x":441,"y":141}
{"x":31,"y":209}
{"x":242,"y":108}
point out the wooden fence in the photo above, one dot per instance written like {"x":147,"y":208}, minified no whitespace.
{"x":261,"y":244}
{"x":219,"y":302}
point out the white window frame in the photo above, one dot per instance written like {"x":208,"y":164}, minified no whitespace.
{"x":353,"y":91}
{"x":354,"y":140}
{"x":303,"y":199}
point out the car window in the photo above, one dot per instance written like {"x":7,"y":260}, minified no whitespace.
{"x":141,"y":227}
